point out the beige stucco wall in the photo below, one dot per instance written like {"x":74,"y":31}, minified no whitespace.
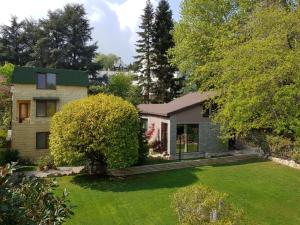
{"x":24,"y":134}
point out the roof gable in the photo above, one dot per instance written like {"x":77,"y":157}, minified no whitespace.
{"x":179,"y":104}
{"x":27,"y":75}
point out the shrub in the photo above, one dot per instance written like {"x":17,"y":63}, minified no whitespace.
{"x":101,"y":128}
{"x":143,"y":146}
{"x":279,"y":146}
{"x":8,"y":156}
{"x":29,"y":200}
{"x":200,"y":205}
{"x":3,"y":142}
{"x":45,"y":163}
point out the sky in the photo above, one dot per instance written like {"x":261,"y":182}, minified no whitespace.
{"x":115,"y":22}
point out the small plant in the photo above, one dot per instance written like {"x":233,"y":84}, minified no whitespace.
{"x":156,"y":146}
{"x":29,"y":200}
{"x":8,"y":156}
{"x":200,"y":205}
{"x":45,"y":163}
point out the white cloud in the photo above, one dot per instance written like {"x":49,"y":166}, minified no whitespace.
{"x":129,"y":13}
{"x":30,"y":8}
{"x":95,"y":15}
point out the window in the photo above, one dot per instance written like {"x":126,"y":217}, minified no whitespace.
{"x":45,"y":108}
{"x":46,"y":81}
{"x":42,"y":140}
{"x":24,"y":109}
{"x":144,"y":122}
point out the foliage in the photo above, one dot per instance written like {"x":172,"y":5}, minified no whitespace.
{"x":61,"y":40}
{"x":8,"y":156}
{"x":11,"y":46}
{"x":156,"y":146}
{"x":7,"y":70}
{"x":3,"y":142}
{"x":29,"y":200}
{"x":45,"y":163}
{"x":69,"y":48}
{"x":165,"y":87}
{"x":144,"y":49}
{"x":106,"y":61}
{"x":199,"y":204}
{"x":246,"y":51}
{"x":143,"y":146}
{"x":96,"y":128}
{"x":120,"y":84}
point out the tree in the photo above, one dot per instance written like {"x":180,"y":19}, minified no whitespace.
{"x":261,"y":90}
{"x":65,"y":39}
{"x":96,"y":128}
{"x":106,"y":61}
{"x":197,"y":36}
{"x":144,"y":48}
{"x":11,"y":46}
{"x":121,"y":85}
{"x":247,"y":51}
{"x":165,"y":87}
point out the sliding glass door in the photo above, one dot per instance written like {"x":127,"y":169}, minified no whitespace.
{"x":187,"y":138}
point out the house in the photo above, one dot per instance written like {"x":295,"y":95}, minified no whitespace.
{"x":183,"y":126}
{"x":37,"y":93}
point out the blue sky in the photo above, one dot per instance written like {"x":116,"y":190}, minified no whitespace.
{"x":115,"y":22}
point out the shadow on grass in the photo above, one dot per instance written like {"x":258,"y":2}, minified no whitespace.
{"x":244,"y":162}
{"x":158,"y":180}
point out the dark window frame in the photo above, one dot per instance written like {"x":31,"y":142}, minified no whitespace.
{"x":46,"y":107}
{"x":47,"y":87}
{"x":46,"y":145}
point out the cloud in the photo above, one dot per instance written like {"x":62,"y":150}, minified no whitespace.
{"x":31,"y":8}
{"x":129,"y":14}
{"x":95,"y":14}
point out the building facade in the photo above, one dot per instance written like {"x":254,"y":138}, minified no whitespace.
{"x":37,"y":93}
{"x":183,"y":127}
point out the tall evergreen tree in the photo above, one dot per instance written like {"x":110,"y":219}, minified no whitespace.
{"x":11,"y":46}
{"x":166,"y":86}
{"x":145,"y":51}
{"x":65,"y":38}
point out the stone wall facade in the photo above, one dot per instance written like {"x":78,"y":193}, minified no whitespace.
{"x":24,"y":134}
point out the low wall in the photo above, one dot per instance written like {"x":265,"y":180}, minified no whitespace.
{"x":285,"y":162}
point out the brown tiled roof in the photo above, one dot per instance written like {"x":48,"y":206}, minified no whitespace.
{"x":176,"y":105}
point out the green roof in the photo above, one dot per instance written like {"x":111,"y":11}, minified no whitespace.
{"x":27,"y":75}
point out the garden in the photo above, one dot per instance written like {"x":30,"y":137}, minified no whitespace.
{"x":262,"y":189}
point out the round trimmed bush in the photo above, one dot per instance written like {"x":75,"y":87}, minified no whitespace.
{"x":101,"y":128}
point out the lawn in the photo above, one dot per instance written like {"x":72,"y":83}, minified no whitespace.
{"x":269,"y":194}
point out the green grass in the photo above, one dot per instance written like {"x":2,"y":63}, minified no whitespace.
{"x":269,"y":194}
